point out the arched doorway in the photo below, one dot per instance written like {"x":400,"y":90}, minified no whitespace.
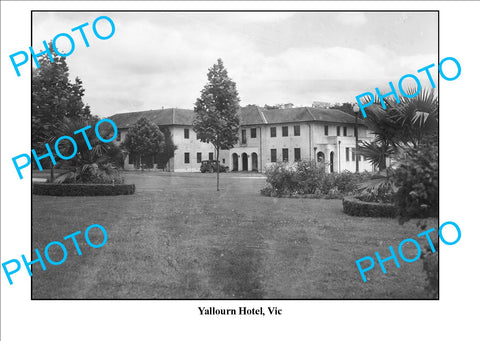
{"x":244,"y":162}
{"x":331,"y":162}
{"x":235,"y":162}
{"x":254,"y":162}
{"x":320,"y":157}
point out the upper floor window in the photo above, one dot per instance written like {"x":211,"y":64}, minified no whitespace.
{"x":273,"y":132}
{"x":244,"y":136}
{"x":338,"y":131}
{"x":326,"y":130}
{"x":253,"y":133}
{"x":296,"y":130}
{"x":187,"y":158}
{"x":186,"y":133}
{"x":284,"y":131}
{"x":344,"y":131}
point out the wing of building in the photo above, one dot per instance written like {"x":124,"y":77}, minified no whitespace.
{"x":266,"y":136}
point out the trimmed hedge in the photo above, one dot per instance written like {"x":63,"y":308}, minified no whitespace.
{"x":356,"y":207}
{"x":82,"y":189}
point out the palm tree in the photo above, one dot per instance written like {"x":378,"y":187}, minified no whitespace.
{"x":100,"y":159}
{"x":400,"y":126}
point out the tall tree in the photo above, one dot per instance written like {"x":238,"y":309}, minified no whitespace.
{"x":143,"y":141}
{"x":169,"y":150}
{"x":54,"y":98}
{"x":216,"y":119}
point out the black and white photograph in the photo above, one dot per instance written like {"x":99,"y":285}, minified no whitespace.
{"x":238,"y":170}
{"x":239,"y":166}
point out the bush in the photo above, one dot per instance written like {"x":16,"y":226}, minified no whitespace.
{"x":417,"y":182}
{"x":92,"y":174}
{"x":430,"y":266}
{"x":82,"y":189}
{"x":355,"y":207}
{"x":309,"y":178}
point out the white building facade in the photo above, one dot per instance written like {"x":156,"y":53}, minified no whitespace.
{"x":265,"y":137}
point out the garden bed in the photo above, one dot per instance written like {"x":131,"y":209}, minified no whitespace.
{"x":82,"y":189}
{"x":356,"y":207}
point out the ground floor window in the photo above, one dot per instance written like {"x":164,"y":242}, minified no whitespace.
{"x":273,"y":155}
{"x":285,"y":154}
{"x":199,"y":157}
{"x":347,"y":153}
{"x":297,"y":154}
{"x":187,"y":158}
{"x":210,"y":156}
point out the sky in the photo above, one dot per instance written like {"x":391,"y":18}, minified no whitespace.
{"x":161,"y":59}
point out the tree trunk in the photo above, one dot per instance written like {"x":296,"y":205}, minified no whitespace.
{"x":218,"y":172}
{"x":52,"y":173}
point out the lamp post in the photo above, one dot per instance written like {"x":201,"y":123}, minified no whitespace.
{"x":356,"y":110}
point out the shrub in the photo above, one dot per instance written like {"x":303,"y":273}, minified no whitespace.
{"x":355,"y":207}
{"x":417,"y":182}
{"x":82,"y":189}
{"x":92,"y":174}
{"x":309,"y":178}
{"x":430,"y":266}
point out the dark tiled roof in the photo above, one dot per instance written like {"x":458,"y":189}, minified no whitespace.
{"x":162,"y":117}
{"x":250,"y":115}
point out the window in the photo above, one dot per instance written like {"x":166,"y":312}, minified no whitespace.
{"x":244,"y":136}
{"x":296,"y":130}
{"x":119,"y":136}
{"x":273,"y":155}
{"x":131,"y":159}
{"x":253,"y":133}
{"x":326,"y":130}
{"x":210,"y":156}
{"x":297,"y":154}
{"x":344,"y":131}
{"x":338,"y":131}
{"x":273,"y":132}
{"x":347,"y":153}
{"x":285,"y":154}
{"x":187,"y":158}
{"x":284,"y":131}
{"x":186,"y":133}
{"x":199,"y":157}
{"x":353,"y":154}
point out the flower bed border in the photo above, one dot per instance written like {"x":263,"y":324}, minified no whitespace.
{"x":82,"y":189}
{"x":355,"y":207}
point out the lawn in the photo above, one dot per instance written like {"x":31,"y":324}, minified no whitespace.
{"x":177,"y":237}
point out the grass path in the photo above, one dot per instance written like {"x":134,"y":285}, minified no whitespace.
{"x":176,"y":237}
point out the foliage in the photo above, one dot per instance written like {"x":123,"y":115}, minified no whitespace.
{"x":309,"y":177}
{"x":216,"y":109}
{"x":355,"y":207}
{"x":54,"y":98}
{"x":417,"y":180}
{"x":168,"y":151}
{"x":92,"y":174}
{"x":95,"y":164}
{"x":379,"y":188}
{"x":82,"y":189}
{"x":400,"y":125}
{"x":430,"y":266}
{"x":144,"y":140}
